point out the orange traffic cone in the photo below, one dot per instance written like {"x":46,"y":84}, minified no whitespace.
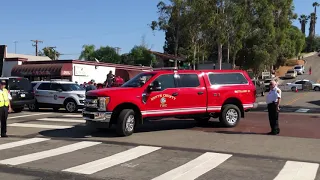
{"x":296,"y":89}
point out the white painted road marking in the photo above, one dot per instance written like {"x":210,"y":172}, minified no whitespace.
{"x":73,"y":115}
{"x":119,"y":158}
{"x":302,"y":110}
{"x":39,"y":126}
{"x":27,"y":115}
{"x":62,"y":120}
{"x":298,"y":170}
{"x":262,"y":103}
{"x":21,"y":143}
{"x":196,"y":167}
{"x":49,"y":153}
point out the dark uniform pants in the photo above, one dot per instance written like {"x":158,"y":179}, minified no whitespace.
{"x":273,"y":117}
{"x":3,"y":118}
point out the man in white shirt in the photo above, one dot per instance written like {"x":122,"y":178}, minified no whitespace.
{"x":273,"y":101}
{"x":5,"y":107}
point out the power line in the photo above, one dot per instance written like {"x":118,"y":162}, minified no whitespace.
{"x":36,"y":45}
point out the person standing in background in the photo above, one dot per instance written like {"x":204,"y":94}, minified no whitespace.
{"x":110,"y":78}
{"x":5,"y":107}
{"x":273,"y":101}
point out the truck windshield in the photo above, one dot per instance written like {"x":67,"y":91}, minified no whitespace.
{"x":138,"y":80}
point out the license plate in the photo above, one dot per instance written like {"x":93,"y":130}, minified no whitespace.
{"x":22,"y":95}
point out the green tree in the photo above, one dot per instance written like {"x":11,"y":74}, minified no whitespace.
{"x":104,"y":54}
{"x":140,"y":55}
{"x":50,"y":52}
{"x":88,"y":52}
{"x":107,"y":54}
{"x":170,"y":21}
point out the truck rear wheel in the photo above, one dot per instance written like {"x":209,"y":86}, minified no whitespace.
{"x":230,"y":115}
{"x":126,"y":122}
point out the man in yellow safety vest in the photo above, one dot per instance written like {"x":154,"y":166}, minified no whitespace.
{"x":5,"y":107}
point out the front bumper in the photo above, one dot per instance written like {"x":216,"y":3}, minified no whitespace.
{"x":104,"y":117}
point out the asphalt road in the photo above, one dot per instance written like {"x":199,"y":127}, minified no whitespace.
{"x":49,"y":145}
{"x":314,"y":63}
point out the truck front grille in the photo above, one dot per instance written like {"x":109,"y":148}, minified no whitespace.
{"x":91,"y":103}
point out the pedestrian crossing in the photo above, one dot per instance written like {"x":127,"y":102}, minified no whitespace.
{"x":61,"y":122}
{"x":103,"y":160}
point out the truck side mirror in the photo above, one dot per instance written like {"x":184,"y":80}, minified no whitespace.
{"x":59,"y":90}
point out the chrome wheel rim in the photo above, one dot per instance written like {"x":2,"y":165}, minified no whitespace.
{"x":130,"y":123}
{"x":71,"y":106}
{"x":232,"y":116}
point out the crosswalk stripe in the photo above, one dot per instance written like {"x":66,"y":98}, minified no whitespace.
{"x":49,"y":153}
{"x":21,"y":143}
{"x":62,"y":120}
{"x":302,"y":110}
{"x":39,"y":126}
{"x":195,"y":168}
{"x":298,"y":170}
{"x":73,"y":115}
{"x":15,"y":117}
{"x":101,"y":164}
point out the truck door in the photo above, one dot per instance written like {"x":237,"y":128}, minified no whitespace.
{"x":193,"y":91}
{"x":165,"y":101}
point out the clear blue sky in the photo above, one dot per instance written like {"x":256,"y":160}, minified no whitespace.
{"x":69,"y":24}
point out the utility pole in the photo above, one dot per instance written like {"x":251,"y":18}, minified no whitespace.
{"x":15,"y":46}
{"x":36,"y":45}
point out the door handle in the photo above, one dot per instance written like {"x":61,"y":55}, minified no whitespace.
{"x":175,"y":94}
{"x":200,"y":93}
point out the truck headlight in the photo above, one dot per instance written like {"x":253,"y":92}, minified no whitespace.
{"x":103,"y":102}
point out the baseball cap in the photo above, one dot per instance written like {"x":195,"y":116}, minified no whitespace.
{"x":3,"y":82}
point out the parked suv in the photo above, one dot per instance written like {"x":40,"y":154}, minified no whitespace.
{"x":21,"y":91}
{"x":223,"y":94}
{"x":57,"y":94}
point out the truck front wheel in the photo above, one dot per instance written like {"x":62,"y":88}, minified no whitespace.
{"x":126,"y":122}
{"x":230,"y":115}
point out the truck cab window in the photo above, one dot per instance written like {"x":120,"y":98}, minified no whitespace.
{"x":139,"y":80}
{"x":188,"y":80}
{"x":166,"y":81}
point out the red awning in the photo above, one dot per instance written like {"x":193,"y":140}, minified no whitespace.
{"x":62,"y":69}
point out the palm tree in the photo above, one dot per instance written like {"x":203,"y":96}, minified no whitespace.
{"x":313,"y":19}
{"x":88,"y":52}
{"x":315,"y":5}
{"x":303,"y":21}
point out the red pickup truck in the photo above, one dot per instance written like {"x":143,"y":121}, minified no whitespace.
{"x":223,"y":94}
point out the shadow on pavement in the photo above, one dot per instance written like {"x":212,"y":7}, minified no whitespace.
{"x":235,"y":132}
{"x":317,"y":102}
{"x":82,"y":131}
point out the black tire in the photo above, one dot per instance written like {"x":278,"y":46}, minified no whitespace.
{"x":33,"y":107}
{"x":18,"y":109}
{"x":293,"y":88}
{"x":122,"y":121}
{"x":55,"y":109}
{"x":68,"y":104}
{"x":317,"y":88}
{"x":229,"y":110}
{"x":202,"y":120}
